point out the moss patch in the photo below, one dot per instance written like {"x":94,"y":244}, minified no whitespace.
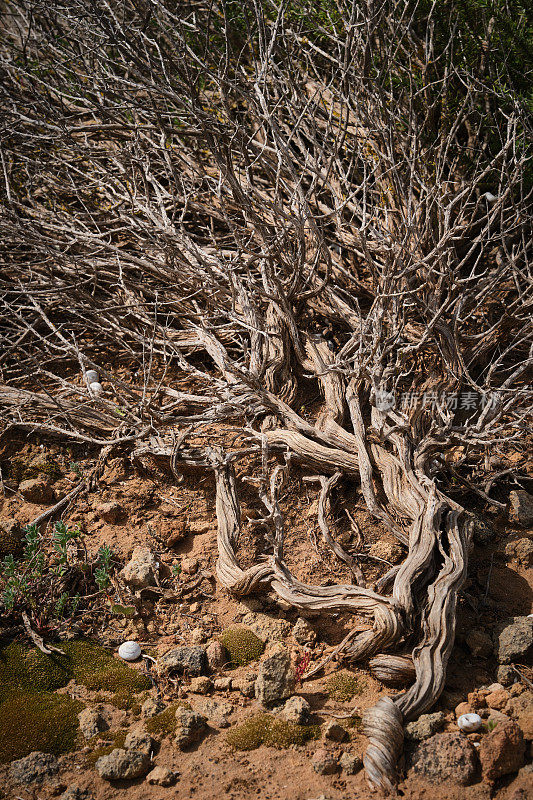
{"x":105,"y":743}
{"x":28,"y":670}
{"x":164,"y":723}
{"x":47,"y":722}
{"x":242,"y":645}
{"x":343,"y":686}
{"x":267,"y":730}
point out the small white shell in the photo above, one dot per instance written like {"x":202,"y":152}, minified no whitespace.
{"x":129,"y":651}
{"x":96,"y":389}
{"x":92,"y":376}
{"x":469,"y":722}
{"x":489,"y":197}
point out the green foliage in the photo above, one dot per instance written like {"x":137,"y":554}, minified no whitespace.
{"x":242,"y":645}
{"x":266,"y":729}
{"x":343,"y":686}
{"x":103,"y":569}
{"x":47,"y":722}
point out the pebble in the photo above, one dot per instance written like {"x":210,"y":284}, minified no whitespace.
{"x":129,"y":651}
{"x":324,"y":762}
{"x":502,"y":751}
{"x":469,"y":722}
{"x":161,"y":776}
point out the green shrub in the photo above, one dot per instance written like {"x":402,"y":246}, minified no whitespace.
{"x":242,"y":645}
{"x":266,"y":729}
{"x":343,"y":686}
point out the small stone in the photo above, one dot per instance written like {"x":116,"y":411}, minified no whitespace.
{"x":183,"y":660}
{"x":463,"y":708}
{"x":142,"y":570}
{"x":335,"y":732}
{"x":525,"y":721}
{"x":498,"y":699}
{"x":34,"y":768}
{"x":469,"y":723}
{"x":495,"y":718}
{"x":223,"y":684}
{"x":297,"y":710}
{"x":245,"y":685}
{"x":502,"y":751}
{"x":91,"y":722}
{"x":479,"y":643}
{"x":514,"y":639}
{"x":275,"y":679}
{"x":161,"y":776}
{"x":189,"y":566}
{"x":350,"y":764}
{"x":216,"y":712}
{"x":303,"y":633}
{"x":216,"y":656}
{"x":324,"y":762}
{"x":522,"y":551}
{"x":196,"y":527}
{"x":201,"y":685}
{"x":521,"y":507}
{"x":140,"y":740}
{"x":190,"y":727}
{"x":506,"y":674}
{"x":110,"y":512}
{"x":74,"y":793}
{"x":198,"y":636}
{"x":129,"y":651}
{"x":37,"y":490}
{"x":151,"y":707}
{"x":425,"y":726}
{"x":445,"y":757}
{"x":516,"y":689}
{"x":121,"y":764}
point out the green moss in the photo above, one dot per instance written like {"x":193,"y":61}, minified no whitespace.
{"x":267,"y":730}
{"x":164,"y":723}
{"x":343,"y":686}
{"x":20,"y":469}
{"x":11,"y":539}
{"x":242,"y":645}
{"x":28,"y":670}
{"x":47,"y":722}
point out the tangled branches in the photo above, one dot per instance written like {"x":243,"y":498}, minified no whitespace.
{"x":218,"y":204}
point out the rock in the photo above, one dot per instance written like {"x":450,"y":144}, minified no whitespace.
{"x":190,"y":728}
{"x":216,"y":656}
{"x":302,"y":632}
{"x":502,"y":751}
{"x":245,"y":685}
{"x":425,"y":726}
{"x":142,"y":570}
{"x":37,"y":490}
{"x":196,"y":527}
{"x":514,"y":639}
{"x":350,"y":764}
{"x":506,"y":674}
{"x":201,"y":685}
{"x":445,"y":757}
{"x":498,"y":699}
{"x":224,"y":684}
{"x":123,"y":764}
{"x":483,"y":532}
{"x":496,"y":718}
{"x":34,"y":768}
{"x":11,"y":538}
{"x":297,"y":710}
{"x":525,"y":721}
{"x":463,"y":708}
{"x":324,"y":762}
{"x":521,"y":550}
{"x":91,"y":722}
{"x":198,"y":635}
{"x":335,"y":732}
{"x":215,"y":711}
{"x":479,"y":643}
{"x":184,"y":660}
{"x":110,"y":512}
{"x":521,"y":507}
{"x":151,"y":707}
{"x":268,"y":629}
{"x":189,"y":566}
{"x":74,"y":793}
{"x":161,"y":776}
{"x":389,"y":551}
{"x":138,"y":739}
{"x":275,"y":679}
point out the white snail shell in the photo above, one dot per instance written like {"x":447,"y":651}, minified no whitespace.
{"x":469,"y":722}
{"x":96,"y":389}
{"x":92,"y":376}
{"x":129,"y":651}
{"x":489,"y":197}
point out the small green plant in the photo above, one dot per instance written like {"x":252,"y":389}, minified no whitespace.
{"x":61,"y":536}
{"x":264,"y":729}
{"x":176,"y":570}
{"x":102,"y":574}
{"x":76,"y":468}
{"x":343,"y":686}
